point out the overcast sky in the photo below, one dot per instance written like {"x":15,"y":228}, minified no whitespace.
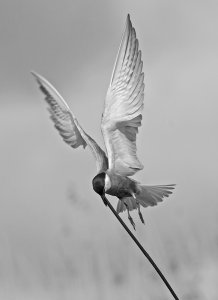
{"x":74,"y":44}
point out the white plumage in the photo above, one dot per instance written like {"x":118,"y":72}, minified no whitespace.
{"x":121,"y":119}
{"x":123,"y":106}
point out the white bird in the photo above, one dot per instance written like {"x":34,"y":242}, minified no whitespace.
{"x":120,"y":121}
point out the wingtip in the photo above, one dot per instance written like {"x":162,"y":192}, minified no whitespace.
{"x":35,"y":75}
{"x":128,"y":20}
{"x":32,"y":73}
{"x":40,"y":79}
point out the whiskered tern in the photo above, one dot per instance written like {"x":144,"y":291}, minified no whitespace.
{"x":120,"y":121}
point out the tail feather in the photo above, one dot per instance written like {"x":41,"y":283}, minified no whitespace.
{"x":151,"y":195}
{"x":146,"y":196}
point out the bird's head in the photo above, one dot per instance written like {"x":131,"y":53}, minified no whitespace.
{"x":98,"y":184}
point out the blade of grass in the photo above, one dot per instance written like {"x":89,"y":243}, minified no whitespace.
{"x":143,"y":250}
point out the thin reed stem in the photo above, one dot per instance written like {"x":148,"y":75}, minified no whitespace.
{"x":143,"y":250}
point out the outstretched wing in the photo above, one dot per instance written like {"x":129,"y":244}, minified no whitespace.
{"x":124,"y":105}
{"x":67,"y":125}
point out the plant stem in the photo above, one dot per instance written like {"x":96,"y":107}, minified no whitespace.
{"x":143,"y":250}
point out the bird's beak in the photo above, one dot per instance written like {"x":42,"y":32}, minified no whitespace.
{"x":104,"y":199}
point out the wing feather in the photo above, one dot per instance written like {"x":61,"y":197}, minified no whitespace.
{"x":67,"y":125}
{"x":124,"y":105}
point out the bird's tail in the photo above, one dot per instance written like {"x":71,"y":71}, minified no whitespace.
{"x":147,"y":195}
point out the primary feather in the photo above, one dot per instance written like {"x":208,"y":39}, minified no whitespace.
{"x":67,"y":125}
{"x":123,"y":106}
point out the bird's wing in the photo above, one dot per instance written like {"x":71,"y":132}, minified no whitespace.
{"x":124,"y":105}
{"x":67,"y":125}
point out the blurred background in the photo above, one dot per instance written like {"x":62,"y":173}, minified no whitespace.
{"x":57,"y":239}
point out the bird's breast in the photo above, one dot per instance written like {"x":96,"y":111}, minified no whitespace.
{"x":107,"y":185}
{"x":119,"y":186}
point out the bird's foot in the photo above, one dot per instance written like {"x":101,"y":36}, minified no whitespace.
{"x":140,"y":214}
{"x":131,"y":221}
{"x":129,"y":217}
{"x":141,"y":217}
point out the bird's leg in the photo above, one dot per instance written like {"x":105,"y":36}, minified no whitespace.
{"x":138,"y":207}
{"x":139,"y":212}
{"x":129,"y":217}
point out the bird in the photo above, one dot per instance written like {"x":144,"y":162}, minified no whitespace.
{"x":121,"y":119}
